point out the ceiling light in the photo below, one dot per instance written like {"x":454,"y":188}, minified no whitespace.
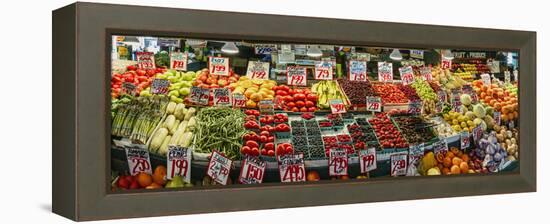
{"x":230,"y":48}
{"x":447,"y":54}
{"x":314,"y":51}
{"x":396,"y":55}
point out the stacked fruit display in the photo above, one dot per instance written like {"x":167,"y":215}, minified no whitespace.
{"x":254,"y":90}
{"x":489,"y":154}
{"x":426,"y":93}
{"x":328,"y":90}
{"x":206,"y":80}
{"x":388,"y":135}
{"x":180,"y":84}
{"x":357,"y":91}
{"x":446,"y":79}
{"x":140,"y":78}
{"x":296,"y":99}
{"x":507,"y":138}
{"x":176,"y":129}
{"x":453,"y":161}
{"x":498,"y":98}
{"x":409,"y":91}
{"x":390,"y":93}
{"x":414,"y":129}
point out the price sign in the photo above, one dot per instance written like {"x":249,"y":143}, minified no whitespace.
{"x":252,"y":171}
{"x":417,"y":54}
{"x":446,"y":64}
{"x":385,"y":72}
{"x":464,"y":139}
{"x":218,"y":66}
{"x":138,"y":159}
{"x":426,"y":73}
{"x":199,"y":95}
{"x":358,"y":70}
{"x":218,"y":168}
{"x":477,"y":132}
{"x":440,"y":147}
{"x":257,"y":70}
{"x":338,"y":162}
{"x":416,"y":152}
{"x":399,"y":164}
{"x":296,"y":76}
{"x":367,"y":160}
{"x":467,"y":89}
{"x":129,"y":88}
{"x":455,"y":101}
{"x":323,"y":70}
{"x":362,"y":56}
{"x":179,"y":162}
{"x":407,"y":75}
{"x":292,"y":168}
{"x":415,"y":107}
{"x":374,"y":104}
{"x":160,"y":86}
{"x":511,"y":125}
{"x":222,"y":97}
{"x":438,"y":107}
{"x":178,"y":61}
{"x":497,"y":117}
{"x":239,"y":101}
{"x":266,"y":106}
{"x":337,"y":106}
{"x":146,"y":60}
{"x":486,"y":78}
{"x":516,"y":75}
{"x":507,"y":77}
{"x":265,"y":48}
{"x":442,"y":96}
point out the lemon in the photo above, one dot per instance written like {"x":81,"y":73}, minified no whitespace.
{"x":455,"y":122}
{"x":463,"y":124}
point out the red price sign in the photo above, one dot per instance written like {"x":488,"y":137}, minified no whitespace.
{"x":367,"y":159}
{"x":415,"y":107}
{"x":296,"y":76}
{"x":442,"y":96}
{"x":219,"y":167}
{"x":446,"y":64}
{"x":407,"y":75}
{"x":292,"y":168}
{"x":385,"y":72}
{"x":179,"y":162}
{"x":160,"y":86}
{"x":323,"y":70}
{"x":440,"y":147}
{"x":399,"y":164}
{"x":426,"y":73}
{"x":218,"y":66}
{"x":252,"y":171}
{"x":374,"y":104}
{"x":467,"y":89}
{"x":138,"y":160}
{"x":222,"y":97}
{"x":146,"y":60}
{"x":178,"y":61}
{"x":358,"y":70}
{"x":338,"y":162}
{"x":477,"y":132}
{"x":464,"y":139}
{"x":199,"y":95}
{"x":497,"y":117}
{"x":239,"y":101}
{"x":337,"y":106}
{"x":257,"y":70}
{"x":455,"y":101}
{"x":129,"y":88}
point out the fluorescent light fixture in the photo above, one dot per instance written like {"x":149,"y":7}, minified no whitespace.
{"x":314,"y":51}
{"x":396,"y":55}
{"x":230,"y":48}
{"x":447,"y":54}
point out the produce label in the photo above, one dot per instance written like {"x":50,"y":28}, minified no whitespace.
{"x":218,"y":66}
{"x":486,"y":78}
{"x":399,"y":164}
{"x":516,"y":75}
{"x":265,"y":48}
{"x":374,"y":104}
{"x":367,"y":159}
{"x":252,"y":171}
{"x":178,"y":61}
{"x":467,"y":89}
{"x":455,"y":102}
{"x":442,"y":95}
{"x":129,"y":88}
{"x":446,"y":64}
{"x":266,"y":106}
{"x":338,"y":162}
{"x":199,"y":95}
{"x":257,"y":70}
{"x":358,"y":70}
{"x":477,"y":132}
{"x":426,"y":73}
{"x":138,"y":159}
{"x":239,"y":101}
{"x":146,"y":60}
{"x":222,"y":97}
{"x":496,"y":117}
{"x":385,"y":72}
{"x":511,"y":125}
{"x":296,"y":76}
{"x":439,"y":107}
{"x":507,"y":77}
{"x":323,"y":70}
{"x":362,"y":56}
{"x":218,"y":168}
{"x":417,"y":54}
{"x":337,"y":106}
{"x":292,"y":168}
{"x":464,"y":139}
{"x":179,"y":162}
{"x":440,"y":147}
{"x":415,"y":107}
{"x":407,"y":75}
{"x":416,"y":152}
{"x":160,"y":86}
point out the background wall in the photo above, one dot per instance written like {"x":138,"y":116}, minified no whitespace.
{"x":25,"y":180}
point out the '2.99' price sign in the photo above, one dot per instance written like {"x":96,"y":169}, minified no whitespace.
{"x":399,"y":164}
{"x":218,"y":66}
{"x":323,"y":70}
{"x":257,"y":70}
{"x":252,"y":171}
{"x":179,"y":162}
{"x":338,"y":162}
{"x":296,"y":76}
{"x":292,"y":168}
{"x":222,"y":97}
{"x":337,"y":106}
{"x":358,"y":71}
{"x":219,"y":167}
{"x":178,"y":61}
{"x":374,"y":103}
{"x":407,"y":75}
{"x":367,"y":160}
{"x":138,"y":159}
{"x":385,"y":72}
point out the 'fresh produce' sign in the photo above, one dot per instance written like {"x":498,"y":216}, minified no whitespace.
{"x":257,"y":70}
{"x":296,"y":76}
{"x":179,"y":162}
{"x":146,"y":60}
{"x":178,"y":61}
{"x":199,"y":95}
{"x":222,"y":97}
{"x":138,"y":160}
{"x":338,"y":162}
{"x":218,"y":66}
{"x":367,"y":160}
{"x":252,"y":171}
{"x":374,"y":104}
{"x":218,"y":168}
{"x":399,"y":164}
{"x":292,"y":168}
{"x":358,"y":70}
{"x":407,"y":75}
{"x":385,"y":72}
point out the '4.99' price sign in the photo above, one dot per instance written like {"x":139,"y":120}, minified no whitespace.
{"x":138,"y":159}
{"x":218,"y":168}
{"x":323,"y":70}
{"x":374,"y":103}
{"x":337,"y":106}
{"x":179,"y":162}
{"x":358,"y":71}
{"x":426,"y":73}
{"x":399,"y":164}
{"x":257,"y":70}
{"x":367,"y":160}
{"x":218,"y":66}
{"x":407,"y":75}
{"x":292,"y":168}
{"x":296,"y":76}
{"x":385,"y":72}
{"x":338,"y":162}
{"x":252,"y":171}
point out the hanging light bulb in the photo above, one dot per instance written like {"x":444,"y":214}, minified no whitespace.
{"x":396,"y":55}
{"x":447,"y":54}
{"x":230,"y":48}
{"x":314,"y":51}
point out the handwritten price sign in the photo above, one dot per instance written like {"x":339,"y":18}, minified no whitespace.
{"x":160,"y":86}
{"x":296,"y":76}
{"x":265,"y":48}
{"x":464,"y":139}
{"x":477,"y":132}
{"x":442,"y":96}
{"x":367,"y":159}
{"x":199,"y":95}
{"x":415,"y":107}
{"x":178,"y":61}
{"x":374,"y":104}
{"x":146,"y":60}
{"x":455,"y":102}
{"x":507,"y":77}
{"x":222,"y":97}
{"x":399,"y":164}
{"x":486,"y":78}
{"x":337,"y":106}
{"x":497,"y":117}
{"x":416,"y":152}
{"x":239,"y":101}
{"x":129,"y":88}
{"x":138,"y":159}
{"x":219,"y":167}
{"x":218,"y":66}
{"x":323,"y":70}
{"x":338,"y":162}
{"x":358,"y":71}
{"x":292,"y":168}
{"x":252,"y":171}
{"x":257,"y":70}
{"x":446,"y":64}
{"x":407,"y":75}
{"x":385,"y":72}
{"x":440,"y":147}
{"x":179,"y":162}
{"x":426,"y":73}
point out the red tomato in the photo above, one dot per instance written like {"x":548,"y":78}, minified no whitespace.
{"x":291,"y":104}
{"x":245,"y":150}
{"x":303,"y":109}
{"x":299,"y":96}
{"x":300,"y":103}
{"x":309,"y":104}
{"x":312,"y":97}
{"x":312,"y":109}
{"x":284,"y":88}
{"x":295,"y":109}
{"x":288,"y":98}
{"x":275,"y":88}
{"x":281,"y":93}
{"x":271,"y":153}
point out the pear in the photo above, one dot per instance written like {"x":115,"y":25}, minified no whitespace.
{"x":175,"y":182}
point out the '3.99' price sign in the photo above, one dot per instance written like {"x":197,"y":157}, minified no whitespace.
{"x":337,"y":162}
{"x":296,"y":76}
{"x":179,"y":162}
{"x":219,"y":167}
{"x":337,"y":106}
{"x":138,"y":159}
{"x":218,"y":66}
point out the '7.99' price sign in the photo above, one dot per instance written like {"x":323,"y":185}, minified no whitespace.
{"x":178,"y":61}
{"x":218,"y":66}
{"x":292,"y":168}
{"x":323,"y":70}
{"x":257,"y":70}
{"x":399,"y":164}
{"x":222,"y":97}
{"x":179,"y":162}
{"x":367,"y":159}
{"x":374,"y":104}
{"x":407,"y":75}
{"x":385,"y":71}
{"x":252,"y":171}
{"x":358,"y":70}
{"x":219,"y":167}
{"x":138,"y":159}
{"x":296,"y":76}
{"x":338,"y":162}
{"x":337,"y":106}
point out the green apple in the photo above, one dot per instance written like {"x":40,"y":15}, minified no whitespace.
{"x":185,"y":91}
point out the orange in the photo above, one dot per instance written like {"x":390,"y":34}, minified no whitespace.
{"x":159,"y":175}
{"x":455,"y":169}
{"x":457,"y":161}
{"x":454,"y":150}
{"x":465,"y":158}
{"x":144,"y":179}
{"x":459,"y":154}
{"x":464,"y":167}
{"x":154,"y":186}
{"x":439,"y":157}
{"x":446,"y":171}
{"x":447,"y":162}
{"x":504,"y":117}
{"x":450,"y":155}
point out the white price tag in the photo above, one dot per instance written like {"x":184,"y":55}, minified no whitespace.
{"x":440,"y":147}
{"x":446,"y":64}
{"x":486,"y":78}
{"x":179,"y":162}
{"x":338,"y":162}
{"x":222,"y":97}
{"x":138,"y":159}
{"x":252,"y":171}
{"x":219,"y":167}
{"x":407,"y":75}
{"x":292,"y":168}
{"x":178,"y":61}
{"x":218,"y":66}
{"x":464,"y":139}
{"x":477,"y":132}
{"x":199,"y":95}
{"x":367,"y":159}
{"x":398,"y":164}
{"x":257,"y":70}
{"x":374,"y":104}
{"x":358,"y":70}
{"x":337,"y":106}
{"x":296,"y":76}
{"x":507,"y":77}
{"x":129,"y":88}
{"x":323,"y":70}
{"x":416,"y":152}
{"x":239,"y":101}
{"x":385,"y":72}
{"x":497,"y":117}
{"x":426,"y":73}
{"x":146,"y":60}
{"x":415,"y":107}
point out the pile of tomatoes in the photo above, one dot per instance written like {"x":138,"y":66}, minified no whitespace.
{"x":140,"y":78}
{"x":295,"y":100}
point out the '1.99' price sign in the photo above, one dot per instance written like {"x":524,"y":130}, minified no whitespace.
{"x":179,"y":162}
{"x":296,"y":76}
{"x":358,"y":70}
{"x":218,"y":168}
{"x":257,"y":70}
{"x":292,"y":168}
{"x":374,"y":103}
{"x":239,"y":101}
{"x":138,"y":159}
{"x":338,"y":162}
{"x":323,"y":70}
{"x":385,"y":72}
{"x":407,"y":75}
{"x":399,"y":164}
{"x":178,"y":61}
{"x":218,"y":66}
{"x":222,"y":97}
{"x":146,"y":60}
{"x":337,"y":106}
{"x":252,"y":171}
{"x":367,"y":159}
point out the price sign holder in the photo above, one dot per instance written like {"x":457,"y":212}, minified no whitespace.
{"x":455,"y":100}
{"x":292,"y":168}
{"x":178,"y":162}
{"x":239,"y":100}
{"x":442,"y":96}
{"x":464,"y":140}
{"x":374,"y":104}
{"x":129,"y":88}
{"x":467,"y":89}
{"x":398,"y":164}
{"x":440,"y":147}
{"x":257,"y":70}
{"x":199,"y":95}
{"x":415,"y":107}
{"x":296,"y":76}
{"x":385,"y":72}
{"x":338,"y":162}
{"x":252,"y":171}
{"x":337,"y":106}
{"x":367,"y":160}
{"x":160,"y":86}
{"x":323,"y":70}
{"x":497,"y":117}
{"x":146,"y":60}
{"x":426,"y":73}
{"x":138,"y":159}
{"x":219,"y":167}
{"x":357,"y":71}
{"x":416,"y":152}
{"x":222,"y":97}
{"x":178,"y":61}
{"x":407,"y":75}
{"x":218,"y":66}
